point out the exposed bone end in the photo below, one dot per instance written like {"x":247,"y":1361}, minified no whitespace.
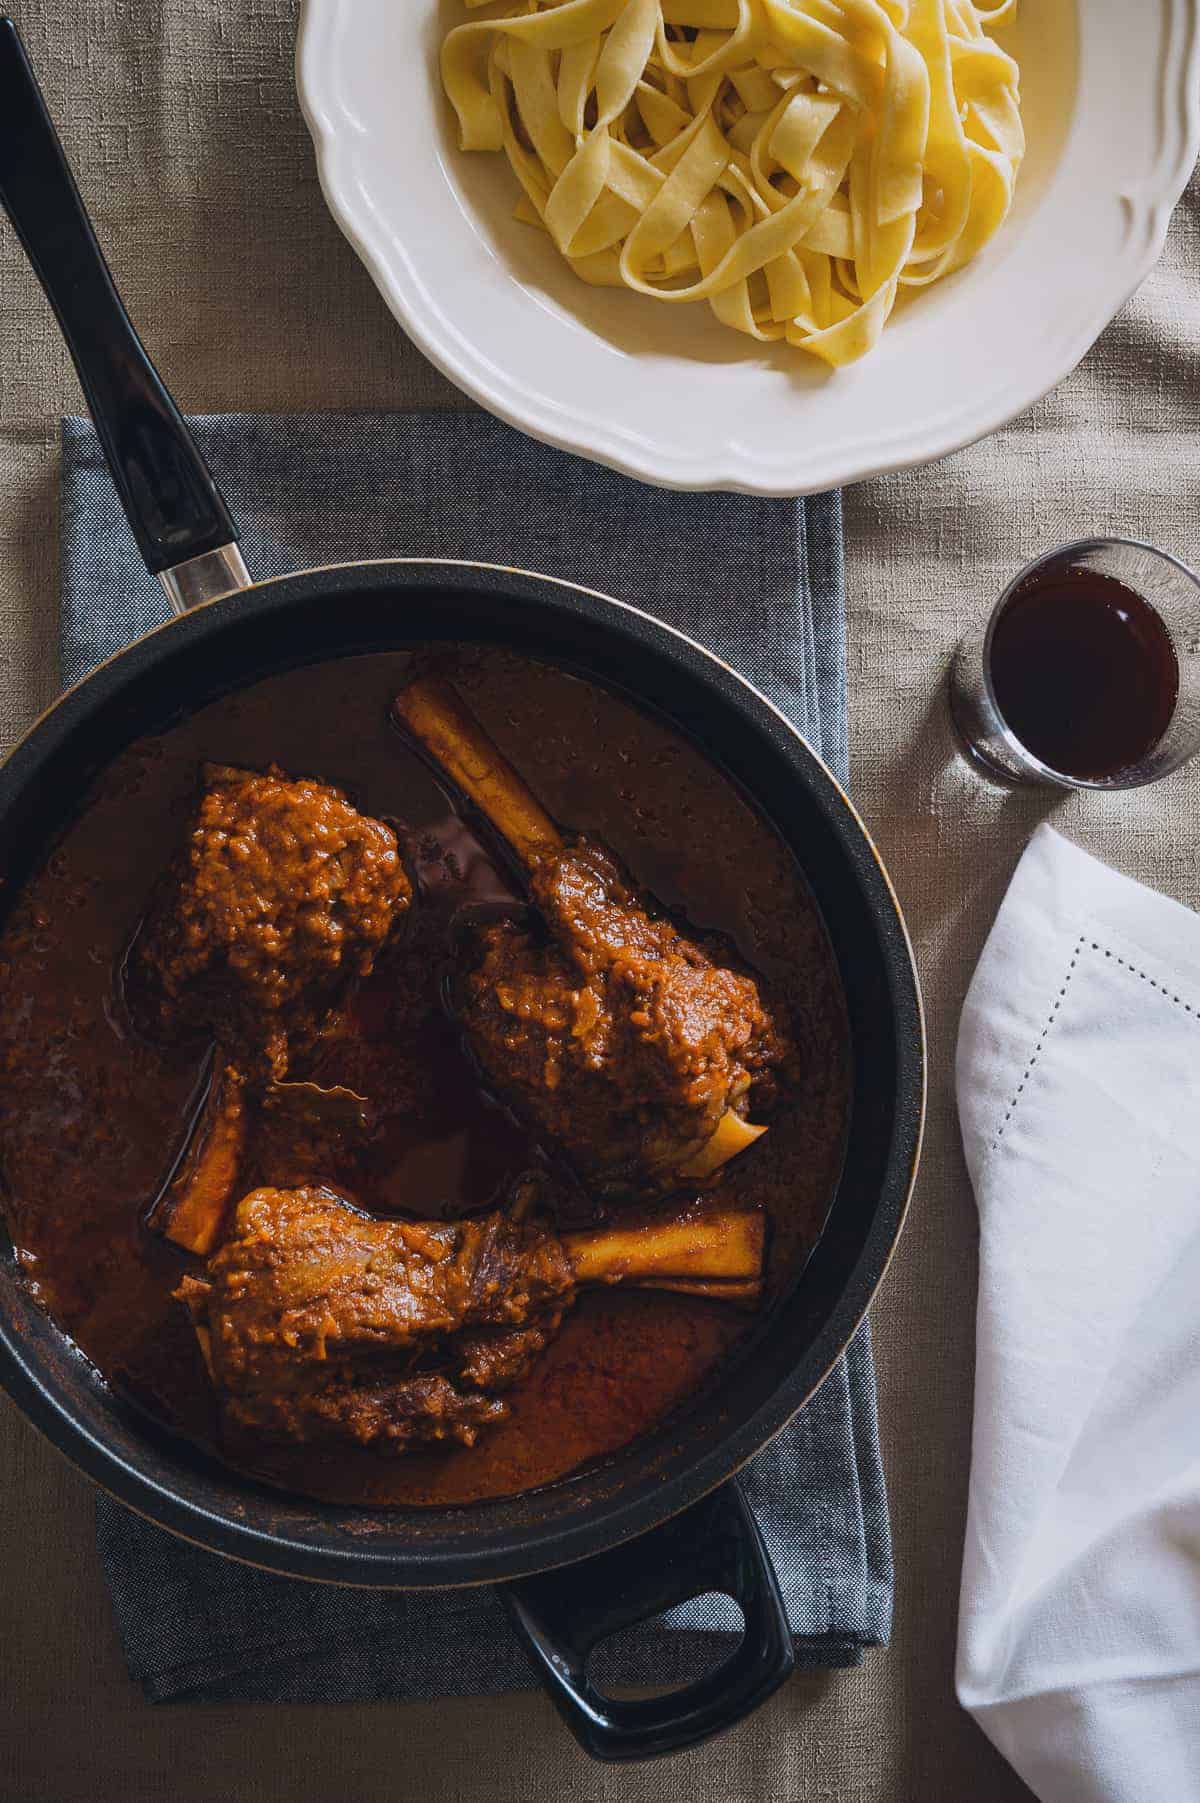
{"x":722,"y":1256}
{"x":190,"y":1210}
{"x":746,"y":1295}
{"x":731,"y":1136}
{"x":435,"y":716}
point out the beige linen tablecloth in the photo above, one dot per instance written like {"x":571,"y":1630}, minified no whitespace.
{"x":182,"y":125}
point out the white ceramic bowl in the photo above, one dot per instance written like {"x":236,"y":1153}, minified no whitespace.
{"x":1112,"y":107}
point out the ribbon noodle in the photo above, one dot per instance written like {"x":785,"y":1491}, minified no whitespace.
{"x":794,"y":164}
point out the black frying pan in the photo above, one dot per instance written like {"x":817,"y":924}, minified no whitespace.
{"x":665,"y":1519}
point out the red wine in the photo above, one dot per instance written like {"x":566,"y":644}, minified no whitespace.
{"x":1084,"y":673}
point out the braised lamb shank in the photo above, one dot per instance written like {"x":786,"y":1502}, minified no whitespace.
{"x":282,"y":895}
{"x":626,"y":1041}
{"x":318,"y":1323}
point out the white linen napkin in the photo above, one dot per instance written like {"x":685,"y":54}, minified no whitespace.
{"x":1079,"y":1098}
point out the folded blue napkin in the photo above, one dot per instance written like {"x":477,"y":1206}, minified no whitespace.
{"x":758,"y":581}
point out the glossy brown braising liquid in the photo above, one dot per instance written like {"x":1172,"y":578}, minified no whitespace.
{"x":91,"y":1116}
{"x":1084,"y":673}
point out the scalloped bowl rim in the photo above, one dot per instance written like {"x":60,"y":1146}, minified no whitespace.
{"x":341,"y":141}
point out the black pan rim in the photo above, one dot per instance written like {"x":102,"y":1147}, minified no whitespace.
{"x":623,"y":1519}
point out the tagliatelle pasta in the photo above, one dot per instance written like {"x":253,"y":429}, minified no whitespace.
{"x":794,"y":163}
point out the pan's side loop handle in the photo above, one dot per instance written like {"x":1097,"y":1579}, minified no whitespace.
{"x":167,"y":491}
{"x":561,"y":1615}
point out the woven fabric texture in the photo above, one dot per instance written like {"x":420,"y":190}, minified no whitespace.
{"x":322,"y":489}
{"x":181,"y":122}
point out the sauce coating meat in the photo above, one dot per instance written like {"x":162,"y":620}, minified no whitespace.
{"x":282,"y":895}
{"x":310,"y":1317}
{"x":318,"y":1323}
{"x":631,"y":1043}
{"x":623,"y":1039}
{"x":93,"y":1116}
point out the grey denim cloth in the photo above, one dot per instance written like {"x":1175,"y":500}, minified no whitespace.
{"x":758,"y":581}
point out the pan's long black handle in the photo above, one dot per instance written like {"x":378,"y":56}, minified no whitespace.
{"x":561,"y":1615}
{"x":165,"y":486}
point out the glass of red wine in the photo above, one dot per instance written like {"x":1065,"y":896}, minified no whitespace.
{"x":1087,"y":674}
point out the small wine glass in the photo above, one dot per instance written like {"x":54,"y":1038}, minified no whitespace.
{"x":1168,"y":586}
